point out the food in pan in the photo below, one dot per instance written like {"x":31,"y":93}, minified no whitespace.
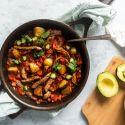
{"x":43,"y":66}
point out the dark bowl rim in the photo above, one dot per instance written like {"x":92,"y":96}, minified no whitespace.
{"x":63,"y":104}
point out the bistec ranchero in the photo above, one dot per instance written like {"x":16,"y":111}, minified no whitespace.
{"x":43,"y":66}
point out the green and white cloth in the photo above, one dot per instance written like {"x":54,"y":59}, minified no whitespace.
{"x":100,"y":13}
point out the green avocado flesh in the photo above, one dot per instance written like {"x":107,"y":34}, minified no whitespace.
{"x":107,"y":84}
{"x":120,"y":72}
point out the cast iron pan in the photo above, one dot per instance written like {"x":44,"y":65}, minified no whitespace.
{"x":68,"y":33}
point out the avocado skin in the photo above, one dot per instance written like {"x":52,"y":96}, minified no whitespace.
{"x":121,"y":83}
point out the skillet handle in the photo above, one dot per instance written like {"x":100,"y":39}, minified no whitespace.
{"x":13,"y":116}
{"x":85,"y":21}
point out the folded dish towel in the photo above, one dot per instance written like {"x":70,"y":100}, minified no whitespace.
{"x":117,"y":33}
{"x":100,"y":13}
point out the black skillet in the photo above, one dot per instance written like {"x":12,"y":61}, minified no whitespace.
{"x":68,"y":33}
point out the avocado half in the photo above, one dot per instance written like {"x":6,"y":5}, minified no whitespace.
{"x":120,"y":72}
{"x":107,"y":84}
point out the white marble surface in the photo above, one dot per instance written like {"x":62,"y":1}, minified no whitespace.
{"x":15,"y":12}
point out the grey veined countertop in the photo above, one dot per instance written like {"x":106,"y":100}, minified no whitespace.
{"x":16,"y":12}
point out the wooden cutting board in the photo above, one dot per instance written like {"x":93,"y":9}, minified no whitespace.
{"x":99,"y":110}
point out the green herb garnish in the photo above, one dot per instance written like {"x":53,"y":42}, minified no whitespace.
{"x":41,"y":42}
{"x":57,"y":66}
{"x":72,"y":65}
{"x":45,"y":34}
{"x":27,"y":37}
{"x":37,"y":54}
{"x":16,"y":61}
{"x":23,"y":40}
